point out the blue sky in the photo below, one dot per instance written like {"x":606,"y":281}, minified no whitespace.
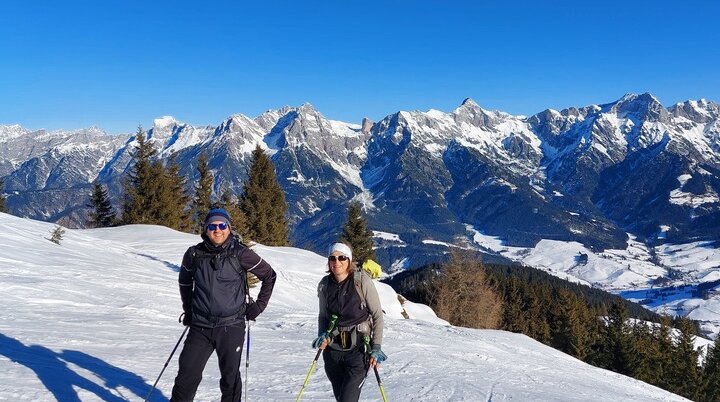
{"x":120,"y":64}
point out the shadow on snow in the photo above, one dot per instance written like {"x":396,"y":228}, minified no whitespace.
{"x":656,"y":297}
{"x":53,"y":370}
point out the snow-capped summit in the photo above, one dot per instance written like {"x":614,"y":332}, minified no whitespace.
{"x":12,"y":131}
{"x":586,"y":173}
{"x":643,"y":107}
{"x":700,"y":111}
{"x":164,"y":121}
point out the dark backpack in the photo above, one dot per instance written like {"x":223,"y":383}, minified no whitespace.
{"x":237,"y":248}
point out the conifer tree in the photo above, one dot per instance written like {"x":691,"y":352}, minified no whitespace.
{"x":263,"y":202}
{"x":229,"y":202}
{"x":203,"y":191}
{"x":513,"y":307}
{"x":169,"y":202}
{"x":662,"y":336}
{"x":684,"y":373}
{"x":619,"y":343}
{"x":3,"y":204}
{"x":356,"y":233}
{"x":646,"y":368}
{"x":102,"y":214}
{"x":537,"y":300}
{"x":596,"y":354}
{"x":710,"y":391}
{"x":464,"y":296}
{"x":569,"y":324}
{"x":57,"y":234}
{"x":140,"y":184}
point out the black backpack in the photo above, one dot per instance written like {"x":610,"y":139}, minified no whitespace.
{"x":236,"y":250}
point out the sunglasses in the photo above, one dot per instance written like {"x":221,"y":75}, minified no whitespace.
{"x":333,"y":258}
{"x":212,"y":226}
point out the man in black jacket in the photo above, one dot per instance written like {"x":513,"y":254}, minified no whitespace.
{"x":215,"y":300}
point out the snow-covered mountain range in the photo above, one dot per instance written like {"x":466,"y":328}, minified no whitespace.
{"x":78,"y":326}
{"x":590,"y":174}
{"x":629,"y":184}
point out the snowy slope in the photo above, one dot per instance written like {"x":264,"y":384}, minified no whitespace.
{"x":96,"y":318}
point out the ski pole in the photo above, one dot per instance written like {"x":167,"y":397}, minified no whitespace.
{"x":382,"y":390}
{"x":366,"y":342}
{"x":333,"y":319}
{"x":247,"y":362}
{"x":166,"y":364}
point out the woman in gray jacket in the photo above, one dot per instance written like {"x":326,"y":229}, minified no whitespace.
{"x":353,"y":345}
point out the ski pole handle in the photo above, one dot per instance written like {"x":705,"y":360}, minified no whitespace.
{"x":333,"y":321}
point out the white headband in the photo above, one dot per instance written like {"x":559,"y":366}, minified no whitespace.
{"x":342,"y":248}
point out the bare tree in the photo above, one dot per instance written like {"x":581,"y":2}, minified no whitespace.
{"x":462,"y":294}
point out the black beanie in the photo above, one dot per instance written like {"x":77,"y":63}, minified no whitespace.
{"x":217,"y":214}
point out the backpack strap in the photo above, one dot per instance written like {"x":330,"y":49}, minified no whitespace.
{"x":357,"y":278}
{"x":237,"y":248}
{"x":193,"y":252}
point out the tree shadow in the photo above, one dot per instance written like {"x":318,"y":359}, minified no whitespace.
{"x":52,"y":369}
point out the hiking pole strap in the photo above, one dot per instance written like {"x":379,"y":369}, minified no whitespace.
{"x":166,"y":364}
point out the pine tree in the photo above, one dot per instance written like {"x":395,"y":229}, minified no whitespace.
{"x":57,"y":234}
{"x":536,"y":316}
{"x":597,"y":355}
{"x":684,"y":373}
{"x":263,"y":202}
{"x":710,"y":391}
{"x":102,"y":214}
{"x":356,"y":233}
{"x":169,"y":203}
{"x":513,"y":307}
{"x":229,"y":202}
{"x":620,"y":345}
{"x":646,"y":368}
{"x":203,"y":191}
{"x":662,"y":334}
{"x":3,"y":204}
{"x":141,"y":183}
{"x":569,"y":326}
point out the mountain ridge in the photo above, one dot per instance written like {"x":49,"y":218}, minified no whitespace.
{"x":584,"y":173}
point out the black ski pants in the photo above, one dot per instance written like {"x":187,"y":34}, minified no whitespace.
{"x":346,"y":371}
{"x":227,"y":342}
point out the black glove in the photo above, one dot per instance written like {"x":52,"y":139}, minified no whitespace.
{"x":186,"y":318}
{"x":252,"y":311}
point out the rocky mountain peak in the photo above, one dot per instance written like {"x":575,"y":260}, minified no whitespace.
{"x":366,"y":125}
{"x":471,"y":113}
{"x":641,"y":107}
{"x":162,"y":129}
{"x":469,"y":102}
{"x":700,"y":111}
{"x":12,"y":131}
{"x":236,"y":123}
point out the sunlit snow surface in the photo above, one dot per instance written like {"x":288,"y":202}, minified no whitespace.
{"x":96,"y":318}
